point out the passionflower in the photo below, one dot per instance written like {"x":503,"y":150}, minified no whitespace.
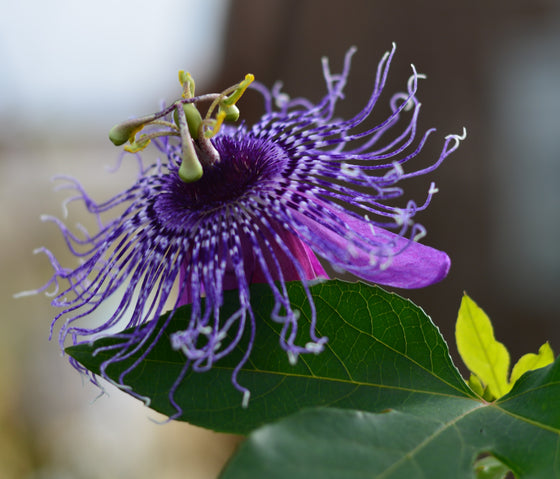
{"x":227,"y":206}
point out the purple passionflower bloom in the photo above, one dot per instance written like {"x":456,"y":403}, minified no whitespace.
{"x":264,"y":202}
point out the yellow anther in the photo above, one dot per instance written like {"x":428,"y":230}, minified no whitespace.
{"x":182,"y":77}
{"x":220,"y":117}
{"x":226,"y":106}
{"x":134,"y":132}
{"x":241,"y":87}
{"x":187,"y":82}
{"x":136,"y":146}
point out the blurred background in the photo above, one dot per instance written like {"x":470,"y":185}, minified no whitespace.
{"x":70,"y":70}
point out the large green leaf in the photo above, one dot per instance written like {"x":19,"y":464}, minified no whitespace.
{"x":383,"y":352}
{"x":522,"y":429}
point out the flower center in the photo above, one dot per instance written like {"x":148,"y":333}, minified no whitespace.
{"x":248,"y":165}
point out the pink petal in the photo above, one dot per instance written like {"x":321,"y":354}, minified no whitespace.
{"x":310,"y":265}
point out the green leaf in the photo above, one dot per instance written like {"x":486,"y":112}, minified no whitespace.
{"x":485,"y":357}
{"x":531,"y":361}
{"x":441,"y":441}
{"x":383,"y":352}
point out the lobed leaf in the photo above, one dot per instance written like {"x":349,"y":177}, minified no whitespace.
{"x":488,"y":359}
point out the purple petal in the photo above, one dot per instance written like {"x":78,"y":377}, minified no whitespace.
{"x":395,"y":261}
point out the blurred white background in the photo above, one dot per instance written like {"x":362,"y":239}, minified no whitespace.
{"x":68,"y":64}
{"x":69,"y":71}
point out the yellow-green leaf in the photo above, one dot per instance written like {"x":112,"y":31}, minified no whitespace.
{"x":482,"y":354}
{"x":531,"y":361}
{"x":476,"y":384}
